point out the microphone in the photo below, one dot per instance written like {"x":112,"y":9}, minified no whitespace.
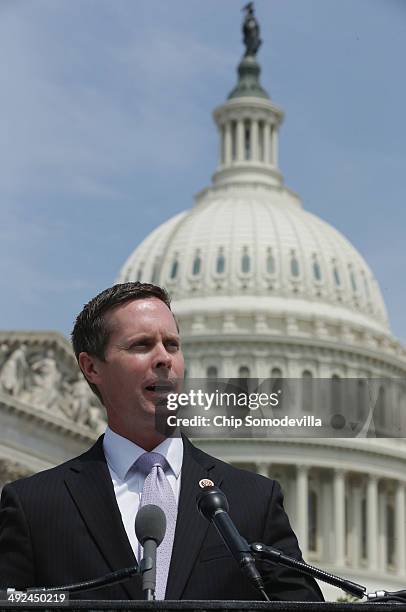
{"x":150,"y":527}
{"x":213,"y":506}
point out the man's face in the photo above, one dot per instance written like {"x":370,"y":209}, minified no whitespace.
{"x":143,"y":351}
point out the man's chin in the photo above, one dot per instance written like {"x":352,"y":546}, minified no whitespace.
{"x":156,"y":409}
{"x":161,"y":414}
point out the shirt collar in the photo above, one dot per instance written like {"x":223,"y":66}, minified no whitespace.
{"x":121,"y":453}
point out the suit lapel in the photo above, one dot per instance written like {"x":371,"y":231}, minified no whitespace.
{"x":191,"y":528}
{"x":90,"y":486}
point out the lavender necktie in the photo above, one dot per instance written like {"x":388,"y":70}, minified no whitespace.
{"x":158,"y":491}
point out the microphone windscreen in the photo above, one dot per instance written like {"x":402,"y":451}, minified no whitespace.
{"x":150,"y":524}
{"x":210,"y":500}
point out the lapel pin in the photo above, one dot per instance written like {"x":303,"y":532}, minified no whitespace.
{"x":205,"y":482}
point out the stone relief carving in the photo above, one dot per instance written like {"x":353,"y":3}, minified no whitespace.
{"x":10,"y":471}
{"x":48,"y":378}
{"x":13,"y":372}
{"x":85,"y":408}
{"x":46,"y":383}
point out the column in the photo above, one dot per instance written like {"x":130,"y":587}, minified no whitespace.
{"x":400,"y":531}
{"x":261,"y":325}
{"x":372,"y":522}
{"x":254,"y":140}
{"x":222,"y":152}
{"x":356,"y":527}
{"x":339,"y":516}
{"x":267,"y":143}
{"x":327,"y":528}
{"x":194,"y":368}
{"x":227,"y":144}
{"x":228,"y":370}
{"x":382,"y":535}
{"x":240,"y":140}
{"x":302,"y":501}
{"x":274,"y":140}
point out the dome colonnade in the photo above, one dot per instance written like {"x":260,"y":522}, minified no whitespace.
{"x":354,"y":520}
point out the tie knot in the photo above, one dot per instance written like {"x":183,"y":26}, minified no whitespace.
{"x":147,"y":461}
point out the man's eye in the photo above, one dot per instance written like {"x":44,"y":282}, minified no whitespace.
{"x":173,"y":346}
{"x":136,"y":345}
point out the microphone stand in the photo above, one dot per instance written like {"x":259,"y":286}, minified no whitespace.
{"x":273,"y":555}
{"x":86,"y":585}
{"x":96,"y":583}
{"x":147,"y":565}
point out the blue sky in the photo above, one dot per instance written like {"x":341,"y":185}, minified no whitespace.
{"x":106,"y":131}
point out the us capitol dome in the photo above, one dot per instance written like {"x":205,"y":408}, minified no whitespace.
{"x":263,"y":288}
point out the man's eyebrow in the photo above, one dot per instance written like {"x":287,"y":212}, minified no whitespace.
{"x":147,"y":336}
{"x":128,"y":341}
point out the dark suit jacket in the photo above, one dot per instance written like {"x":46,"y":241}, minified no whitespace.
{"x":63,"y":526}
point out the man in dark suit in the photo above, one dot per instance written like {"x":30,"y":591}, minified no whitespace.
{"x":75,"y":521}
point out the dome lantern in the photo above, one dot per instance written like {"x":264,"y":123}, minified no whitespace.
{"x":248,"y":122}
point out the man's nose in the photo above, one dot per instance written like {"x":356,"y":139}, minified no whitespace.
{"x":162,"y":359}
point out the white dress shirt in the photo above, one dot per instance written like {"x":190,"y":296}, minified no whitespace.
{"x":128,"y":482}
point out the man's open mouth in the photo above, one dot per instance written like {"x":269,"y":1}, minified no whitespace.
{"x":161,"y":387}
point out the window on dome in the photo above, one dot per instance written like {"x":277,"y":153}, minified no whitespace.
{"x":220,"y":264}
{"x":353,"y":281}
{"x":277,"y":385}
{"x":245,"y":263}
{"x":139,"y":274}
{"x":243,"y":380}
{"x":211,"y":372}
{"x":337,"y":279}
{"x":174,"y":269}
{"x":362,"y":400}
{"x":307,"y":391}
{"x":336,"y":393}
{"x":247,"y":141}
{"x":211,"y":375}
{"x":223,"y":144}
{"x":294,"y":266}
{"x":270,"y":264}
{"x":197,"y":265}
{"x":316,"y":270}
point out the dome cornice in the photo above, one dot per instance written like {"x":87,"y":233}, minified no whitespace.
{"x":367,"y":454}
{"x":311,"y":347}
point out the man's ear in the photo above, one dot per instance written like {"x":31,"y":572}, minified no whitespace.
{"x":90,"y":367}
